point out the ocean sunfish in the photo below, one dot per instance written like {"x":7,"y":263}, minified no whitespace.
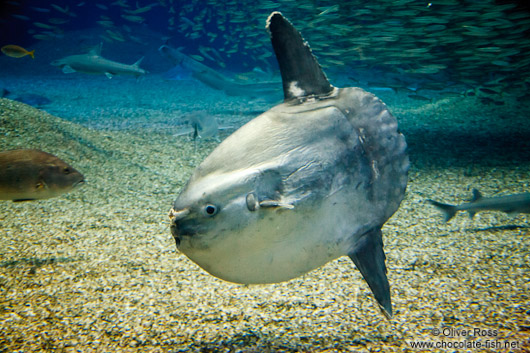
{"x":306,"y":182}
{"x":511,"y":204}
{"x":94,"y":63}
{"x":33,"y":174}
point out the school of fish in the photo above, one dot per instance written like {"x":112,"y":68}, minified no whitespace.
{"x":411,"y":41}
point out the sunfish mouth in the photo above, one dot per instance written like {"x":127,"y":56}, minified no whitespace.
{"x":176,"y":230}
{"x":177,"y":240}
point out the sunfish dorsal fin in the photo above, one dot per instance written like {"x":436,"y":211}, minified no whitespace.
{"x":302,"y":76}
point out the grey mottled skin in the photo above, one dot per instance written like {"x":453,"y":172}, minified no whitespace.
{"x":306,"y":182}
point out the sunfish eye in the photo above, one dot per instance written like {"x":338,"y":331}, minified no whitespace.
{"x":211,"y":210}
{"x":66,"y":170}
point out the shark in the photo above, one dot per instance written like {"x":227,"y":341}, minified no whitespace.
{"x":216,"y":80}
{"x":511,"y":204}
{"x":93,"y":63}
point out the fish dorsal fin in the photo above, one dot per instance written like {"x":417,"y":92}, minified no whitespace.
{"x":96,"y":50}
{"x":302,"y":76}
{"x":137,"y":64}
{"x":476,"y":195}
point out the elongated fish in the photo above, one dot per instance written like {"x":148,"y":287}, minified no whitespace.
{"x":94,"y":63}
{"x":216,"y":80}
{"x":512,"y":204}
{"x":33,"y":174}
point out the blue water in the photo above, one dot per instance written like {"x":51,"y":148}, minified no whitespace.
{"x":398,"y":43}
{"x":455,"y":73}
{"x":407,"y":52}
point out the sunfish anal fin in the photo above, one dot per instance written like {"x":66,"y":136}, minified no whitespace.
{"x":302,"y":76}
{"x":369,"y":258}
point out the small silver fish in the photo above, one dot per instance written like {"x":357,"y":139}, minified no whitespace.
{"x":33,"y":175}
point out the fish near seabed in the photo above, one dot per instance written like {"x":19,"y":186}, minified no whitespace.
{"x":511,"y":204}
{"x":33,"y":175}
{"x":15,"y":51}
{"x":94,"y":63}
{"x":216,"y":80}
{"x":306,"y":182}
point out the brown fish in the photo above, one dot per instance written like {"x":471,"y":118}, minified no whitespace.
{"x":33,"y":174}
{"x":15,"y":51}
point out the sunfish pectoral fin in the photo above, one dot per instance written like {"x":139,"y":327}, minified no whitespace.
{"x":109,"y":75}
{"x":369,"y":258}
{"x":67,"y":69}
{"x":276,"y":204}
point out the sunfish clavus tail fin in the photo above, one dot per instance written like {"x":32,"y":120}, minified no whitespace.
{"x":448,"y":210}
{"x":302,"y":76}
{"x":369,"y":257}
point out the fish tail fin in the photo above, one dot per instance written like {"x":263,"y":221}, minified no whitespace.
{"x":32,"y":54}
{"x":448,"y":210}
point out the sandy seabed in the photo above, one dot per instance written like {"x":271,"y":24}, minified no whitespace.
{"x":96,"y":270}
